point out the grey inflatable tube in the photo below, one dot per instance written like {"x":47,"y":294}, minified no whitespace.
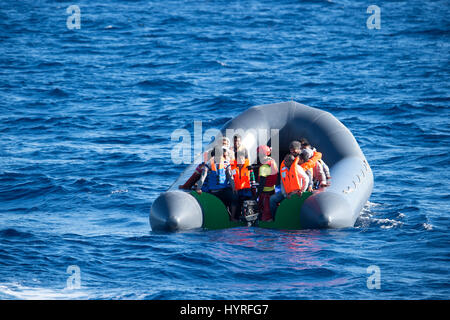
{"x":336,"y":206}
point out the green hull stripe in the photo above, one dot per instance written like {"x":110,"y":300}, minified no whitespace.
{"x":215,"y":214}
{"x":287,"y":216}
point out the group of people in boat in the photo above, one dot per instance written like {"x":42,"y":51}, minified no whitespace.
{"x":229,"y":175}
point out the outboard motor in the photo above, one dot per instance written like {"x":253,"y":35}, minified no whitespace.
{"x":249,"y":212}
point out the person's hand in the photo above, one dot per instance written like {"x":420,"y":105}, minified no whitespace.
{"x":199,"y":191}
{"x":310,"y":189}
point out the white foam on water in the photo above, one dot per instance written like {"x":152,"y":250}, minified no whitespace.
{"x":428,"y":226}
{"x":119,"y":191}
{"x":17,"y":291}
{"x":367,"y":218}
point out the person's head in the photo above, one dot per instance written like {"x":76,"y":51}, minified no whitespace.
{"x":303,"y":157}
{"x":237,"y":140}
{"x":309,"y":152}
{"x":218,"y":152}
{"x":225,"y":142}
{"x":303,"y":140}
{"x":225,"y":152}
{"x":306,"y":146}
{"x":295,"y":148}
{"x":305,"y":143}
{"x":264,"y":150}
{"x":240,"y":158}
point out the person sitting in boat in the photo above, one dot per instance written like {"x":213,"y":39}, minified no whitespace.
{"x":199,"y":169}
{"x":238,"y":147}
{"x":311,"y":162}
{"x":216,"y":177}
{"x":244,"y":183}
{"x":294,"y":180}
{"x":267,"y":179}
{"x":321,"y":172}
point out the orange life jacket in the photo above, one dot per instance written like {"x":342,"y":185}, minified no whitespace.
{"x":311,"y":163}
{"x":289,"y":177}
{"x":241,"y":175}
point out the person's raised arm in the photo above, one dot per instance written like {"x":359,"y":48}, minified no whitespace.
{"x":230,"y":178}
{"x":321,"y":174}
{"x":310,"y":180}
{"x":193,"y":179}
{"x":304,"y":178}
{"x":202,"y":180}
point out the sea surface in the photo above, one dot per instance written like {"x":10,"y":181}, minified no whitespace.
{"x":85,"y":145}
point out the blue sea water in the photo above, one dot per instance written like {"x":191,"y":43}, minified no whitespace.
{"x":85,"y":148}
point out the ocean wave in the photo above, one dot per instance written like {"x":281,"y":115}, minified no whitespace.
{"x":162,"y":84}
{"x":13,"y":233}
{"x":58,"y":93}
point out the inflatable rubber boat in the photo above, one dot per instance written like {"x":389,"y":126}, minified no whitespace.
{"x":335,"y":206}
